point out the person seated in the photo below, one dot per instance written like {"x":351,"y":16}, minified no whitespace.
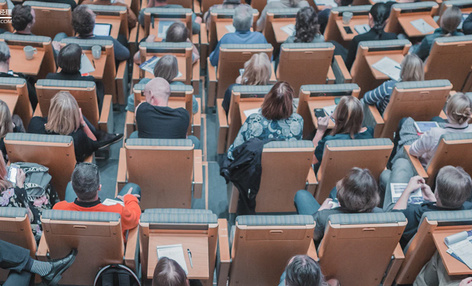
{"x":450,"y":20}
{"x":169,"y":273}
{"x":278,"y":4}
{"x":306,"y":27}
{"x":83,"y":22}
{"x":357,"y":192}
{"x":467,"y":25}
{"x":8,"y":123}
{"x":227,"y":4}
{"x":154,"y":117}
{"x":348,"y":117}
{"x":196,"y":21}
{"x":302,"y":270}
{"x":378,"y":16}
{"x":242,"y":22}
{"x":65,"y":118}
{"x":6,"y":72}
{"x":18,"y":260}
{"x":69,"y":60}
{"x":22,"y":19}
{"x":323,"y":15}
{"x":83,"y":196}
{"x":257,"y":71}
{"x":132,"y":19}
{"x":435,"y":274}
{"x":412,"y":69}
{"x":276,"y":119}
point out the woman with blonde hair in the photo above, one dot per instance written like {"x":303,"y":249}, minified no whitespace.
{"x":257,"y":71}
{"x":8,"y":123}
{"x":412,"y":69}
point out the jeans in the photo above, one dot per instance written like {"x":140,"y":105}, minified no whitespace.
{"x":305,"y":203}
{"x":70,"y":195}
{"x":15,"y":258}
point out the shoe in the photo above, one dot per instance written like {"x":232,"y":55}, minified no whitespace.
{"x":109,"y":139}
{"x":58,"y":267}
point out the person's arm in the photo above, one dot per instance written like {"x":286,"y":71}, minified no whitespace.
{"x":195,"y":53}
{"x":351,"y":54}
{"x":423,"y":144}
{"x":261,"y":21}
{"x":141,"y":15}
{"x":377,"y":95}
{"x":131,"y":212}
{"x":466,"y":281}
{"x":196,"y":21}
{"x":423,"y":49}
{"x":215,"y":55}
{"x":467,"y":25}
{"x":320,"y":132}
{"x":121,"y":52}
{"x":85,"y":127}
{"x":415,"y":183}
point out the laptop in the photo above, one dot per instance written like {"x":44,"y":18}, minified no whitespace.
{"x":102,"y":29}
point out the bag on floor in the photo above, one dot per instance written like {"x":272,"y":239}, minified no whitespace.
{"x":116,"y":275}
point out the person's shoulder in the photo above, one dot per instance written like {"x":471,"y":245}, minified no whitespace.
{"x":62,"y":205}
{"x":296,"y":117}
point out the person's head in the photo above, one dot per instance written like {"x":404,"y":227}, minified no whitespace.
{"x":169,"y":273}
{"x":357,"y":192}
{"x":453,"y":187}
{"x":64,"y":114}
{"x":257,"y":70}
{"x":412,"y":68}
{"x":22,"y":17}
{"x":6,"y":124}
{"x":450,"y":19}
{"x":167,"y":68}
{"x":69,"y":58}
{"x":157,"y":92}
{"x":458,"y":108}
{"x":83,"y":20}
{"x":306,"y":26}
{"x":243,"y":17}
{"x":378,"y":16}
{"x":348,"y":116}
{"x":303,"y":270}
{"x":4,"y":53}
{"x":343,"y":2}
{"x":177,"y":33}
{"x":278,"y":102}
{"x":86,"y":181}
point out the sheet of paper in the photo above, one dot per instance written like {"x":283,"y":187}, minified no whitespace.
{"x":111,"y":202}
{"x":173,"y":251}
{"x":326,"y":3}
{"x":289,"y":29}
{"x":86,"y":65}
{"x":389,"y":67}
{"x":251,"y":111}
{"x":162,"y":29}
{"x":149,"y":64}
{"x":463,"y":250}
{"x":397,"y":190}
{"x":422,"y":26}
{"x":230,"y":28}
{"x":361,"y":29}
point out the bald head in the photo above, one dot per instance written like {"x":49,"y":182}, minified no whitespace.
{"x":157,"y":92}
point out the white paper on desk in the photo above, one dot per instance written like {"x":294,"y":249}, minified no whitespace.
{"x":397,"y":190}
{"x":389,"y":67}
{"x":464,"y":16}
{"x":326,"y":3}
{"x":149,"y":64}
{"x":162,"y":28}
{"x":230,"y":28}
{"x":173,"y":251}
{"x":289,"y":29}
{"x":422,"y":26}
{"x":361,"y":29}
{"x":86,"y":65}
{"x":251,"y":111}
{"x":111,"y":202}
{"x":462,"y":251}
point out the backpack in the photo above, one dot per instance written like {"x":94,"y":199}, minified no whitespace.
{"x":116,"y":275}
{"x":37,"y":179}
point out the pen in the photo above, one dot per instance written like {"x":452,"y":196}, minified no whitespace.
{"x":190,"y":257}
{"x":397,"y":67}
{"x":93,"y":62}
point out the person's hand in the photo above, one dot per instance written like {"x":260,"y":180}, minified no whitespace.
{"x":128,"y":193}
{"x":466,"y":282}
{"x":326,"y":205}
{"x":198,"y":20}
{"x":151,"y":39}
{"x":323,"y":123}
{"x":56,"y":45}
{"x":415,"y":183}
{"x":239,"y":79}
{"x":82,"y":120}
{"x":427,"y":193}
{"x":20,"y":178}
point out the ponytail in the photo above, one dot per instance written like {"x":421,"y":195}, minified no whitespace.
{"x":380,"y":13}
{"x":459,"y":108}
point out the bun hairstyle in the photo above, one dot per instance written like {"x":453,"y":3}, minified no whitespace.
{"x":459,"y":108}
{"x":380,"y":13}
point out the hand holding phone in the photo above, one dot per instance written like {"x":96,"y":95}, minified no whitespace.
{"x":319,"y":112}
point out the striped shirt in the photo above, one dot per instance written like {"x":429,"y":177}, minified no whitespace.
{"x":381,"y":95}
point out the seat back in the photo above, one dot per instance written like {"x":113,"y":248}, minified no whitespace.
{"x":96,"y":235}
{"x":83,"y":91}
{"x":182,"y":51}
{"x":276,"y":17}
{"x":360,"y":243}
{"x":340,"y":156}
{"x":443,"y":62}
{"x":262,"y":246}
{"x":51,"y":18}
{"x":404,"y":103}
{"x":464,"y":5}
{"x":163,"y":168}
{"x":408,"y":9}
{"x":151,"y":15}
{"x":303,"y":63}
{"x":112,"y":14}
{"x":14,"y":92}
{"x":422,"y":247}
{"x":195,"y":229}
{"x":370,"y":52}
{"x":332,"y":32}
{"x":53,"y":151}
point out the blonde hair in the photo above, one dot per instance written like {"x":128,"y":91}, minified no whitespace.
{"x":64,"y":114}
{"x":348,"y":116}
{"x":257,"y":70}
{"x":450,"y":19}
{"x":458,"y":108}
{"x":412,"y":68}
{"x":4,"y":183}
{"x":6,"y":124}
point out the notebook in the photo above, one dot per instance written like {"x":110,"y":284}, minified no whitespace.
{"x":389,"y":67}
{"x":102,"y":29}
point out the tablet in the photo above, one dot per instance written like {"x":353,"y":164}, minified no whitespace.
{"x":102,"y":29}
{"x":423,"y":126}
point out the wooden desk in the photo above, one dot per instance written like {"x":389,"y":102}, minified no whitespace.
{"x":320,"y":103}
{"x":411,"y":31}
{"x":247,"y":105}
{"x":198,"y":245}
{"x":354,"y":22}
{"x":453,"y":266}
{"x":372,"y":59}
{"x":281,"y":35}
{"x":10,"y":99}
{"x":113,"y":20}
{"x":98,"y":64}
{"x":19,"y":63}
{"x":155,"y":30}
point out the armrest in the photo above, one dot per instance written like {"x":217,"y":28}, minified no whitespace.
{"x":330,"y":77}
{"x":37,"y":112}
{"x":416,"y":163}
{"x":224,"y":258}
{"x":105,"y":122}
{"x":197,"y":9}
{"x":197,"y":173}
{"x":122,"y":82}
{"x":141,"y":35}
{"x":212,"y":82}
{"x":273,"y":76}
{"x":43,"y":249}
{"x":312,"y":251}
{"x":222,"y":125}
{"x":372,"y":118}
{"x":397,"y":259}
{"x":133,"y":39}
{"x":131,"y":246}
{"x":122,"y":170}
{"x":130,"y":127}
{"x":204,"y":46}
{"x":443,"y":115}
{"x":340,"y":70}
{"x":197,"y":120}
{"x":312,"y":182}
{"x":203,"y":34}
{"x":196,"y":76}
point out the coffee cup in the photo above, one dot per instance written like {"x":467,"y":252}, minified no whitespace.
{"x":96,"y":52}
{"x":347,"y":16}
{"x":29,"y":52}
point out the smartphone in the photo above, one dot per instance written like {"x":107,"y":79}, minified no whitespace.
{"x":348,"y":29}
{"x":319,"y":112}
{"x":12,"y":172}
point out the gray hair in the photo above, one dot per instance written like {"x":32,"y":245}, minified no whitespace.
{"x":85,"y":181}
{"x":4,"y":52}
{"x":243,"y":17}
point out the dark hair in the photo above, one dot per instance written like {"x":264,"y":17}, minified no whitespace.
{"x":167,"y":68}
{"x":380,"y":13}
{"x":306,"y":27}
{"x":303,"y":271}
{"x":168,"y":273}
{"x":4,"y":52}
{"x":69,"y":58}
{"x":454,"y":186}
{"x":358,"y":191}
{"x":345,"y":2}
{"x":85,"y":181}
{"x":21,"y":16}
{"x":177,"y":33}
{"x":348,"y":116}
{"x":278,"y":102}
{"x":83,"y":20}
